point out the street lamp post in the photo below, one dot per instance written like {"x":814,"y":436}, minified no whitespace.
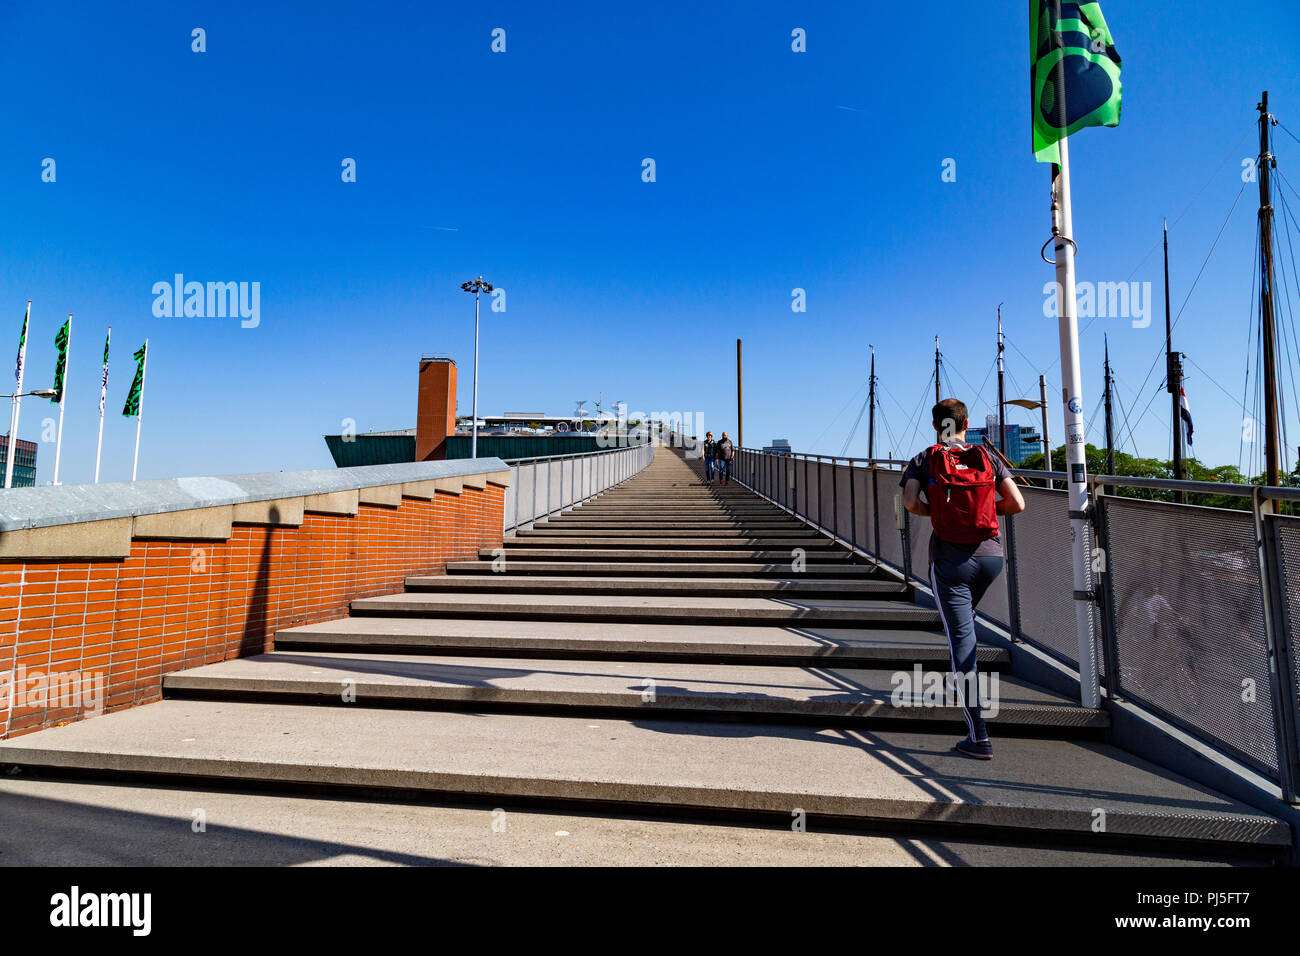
{"x":9,"y":442}
{"x":476,"y":286}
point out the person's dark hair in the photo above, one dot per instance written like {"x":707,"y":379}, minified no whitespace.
{"x":950,"y":413}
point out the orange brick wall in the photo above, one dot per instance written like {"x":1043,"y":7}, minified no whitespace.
{"x":177,"y":604}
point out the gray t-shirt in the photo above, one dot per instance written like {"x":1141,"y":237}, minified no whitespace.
{"x":940,"y":550}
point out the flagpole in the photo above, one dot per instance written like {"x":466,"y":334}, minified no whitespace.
{"x":58,"y":441}
{"x":15,"y":402}
{"x":139,"y":411}
{"x":1072,"y":407}
{"x":103,"y":395}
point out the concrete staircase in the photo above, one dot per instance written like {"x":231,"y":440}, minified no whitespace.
{"x":669,"y":647}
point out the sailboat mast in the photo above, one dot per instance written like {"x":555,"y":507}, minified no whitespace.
{"x":1110,"y":415}
{"x":871,"y":408}
{"x":1002,"y":391}
{"x":1173,"y":378}
{"x":1268,"y":332}
{"x":937,"y":397}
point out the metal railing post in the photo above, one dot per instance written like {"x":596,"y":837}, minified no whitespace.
{"x":835,"y":499}
{"x":821,"y":525}
{"x":853,"y":509}
{"x":875,"y":509}
{"x":903,"y":519}
{"x":1104,"y":584}
{"x":1013,"y":581}
{"x":1281,"y":673}
{"x":515,"y":478}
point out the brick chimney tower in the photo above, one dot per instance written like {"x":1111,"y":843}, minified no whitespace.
{"x":435,"y":416}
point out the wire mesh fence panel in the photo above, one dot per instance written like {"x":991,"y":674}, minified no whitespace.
{"x":1191,"y":641}
{"x":996,"y":604}
{"x":918,"y":539}
{"x":845,"y":505}
{"x":863,"y":534}
{"x":891,"y":544}
{"x":809,"y":480}
{"x":825,"y":513}
{"x":1045,"y":574}
{"x":522,"y":478}
{"x":508,"y":504}
{"x":1288,"y":539}
{"x":785,"y":479}
{"x":554,"y":485}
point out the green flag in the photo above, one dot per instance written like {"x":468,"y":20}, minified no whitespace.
{"x":1073,"y":73}
{"x":103,"y":382}
{"x":22,"y":345}
{"x":132,"y":406}
{"x":61,"y":363}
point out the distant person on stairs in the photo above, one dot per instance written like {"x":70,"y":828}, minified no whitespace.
{"x":710,"y":450}
{"x":956,"y":485}
{"x":725,"y":451}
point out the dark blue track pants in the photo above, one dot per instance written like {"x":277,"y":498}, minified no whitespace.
{"x":958,"y":586}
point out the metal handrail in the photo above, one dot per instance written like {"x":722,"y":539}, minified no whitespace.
{"x":1127,"y":481}
{"x":811,"y":457}
{"x":614,"y":473}
{"x":576,"y":454}
{"x":1196,"y":487}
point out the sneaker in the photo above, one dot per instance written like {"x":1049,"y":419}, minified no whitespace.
{"x":981,"y":750}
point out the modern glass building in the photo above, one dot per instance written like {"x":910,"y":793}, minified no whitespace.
{"x":1022,"y":440}
{"x":24,"y":461}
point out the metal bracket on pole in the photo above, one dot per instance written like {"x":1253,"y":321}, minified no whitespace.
{"x":1055,"y":239}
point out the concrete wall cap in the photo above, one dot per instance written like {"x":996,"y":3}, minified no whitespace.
{"x":50,"y":505}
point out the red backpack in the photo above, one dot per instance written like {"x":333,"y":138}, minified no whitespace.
{"x":962,"y":494}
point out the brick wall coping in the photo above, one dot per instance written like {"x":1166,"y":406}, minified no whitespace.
{"x":51,"y":505}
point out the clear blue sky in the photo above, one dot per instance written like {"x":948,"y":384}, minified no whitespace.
{"x":775,"y":170}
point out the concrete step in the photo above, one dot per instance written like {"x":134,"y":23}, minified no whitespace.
{"x":526,"y":539}
{"x":677,"y":503}
{"x":504,"y":582}
{"x":816,"y":558}
{"x":568,"y":524}
{"x":804,"y":645}
{"x":77,"y":823}
{"x":652,"y":690}
{"x":655,"y":609}
{"x":520,"y":566}
{"x":1044,"y":789}
{"x":551,"y":530}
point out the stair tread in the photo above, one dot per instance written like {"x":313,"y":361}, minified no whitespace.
{"x":595,"y":603}
{"x":502,"y":580}
{"x":759,"y":688}
{"x":1044,"y":785}
{"x":737,"y":640}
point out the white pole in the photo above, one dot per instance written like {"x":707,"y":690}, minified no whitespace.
{"x":103,"y":395}
{"x":58,"y":440}
{"x":139,"y":412}
{"x":15,"y":402}
{"x":1072,"y":407}
{"x":473,"y":442}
